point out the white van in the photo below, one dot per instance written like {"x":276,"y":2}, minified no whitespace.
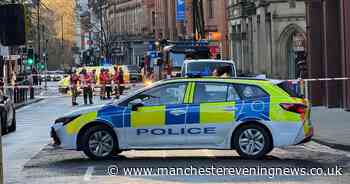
{"x":209,"y":67}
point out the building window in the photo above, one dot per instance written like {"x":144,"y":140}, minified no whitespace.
{"x":292,"y":4}
{"x":153,"y":18}
{"x":234,"y":29}
{"x":211,"y":8}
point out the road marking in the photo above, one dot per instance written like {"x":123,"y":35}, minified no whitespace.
{"x":88,"y":173}
{"x":209,"y":153}
{"x":164,"y":154}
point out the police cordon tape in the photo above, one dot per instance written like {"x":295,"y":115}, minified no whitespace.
{"x":320,"y":79}
{"x":70,"y":86}
{"x":304,"y":84}
{"x":292,"y":81}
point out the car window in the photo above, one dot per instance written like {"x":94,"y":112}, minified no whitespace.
{"x":164,"y":95}
{"x":251,"y":92}
{"x":232,"y":94}
{"x":210,"y":92}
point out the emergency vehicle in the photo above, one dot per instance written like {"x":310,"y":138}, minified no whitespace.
{"x":248,"y":115}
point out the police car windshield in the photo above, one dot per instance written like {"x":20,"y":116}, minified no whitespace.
{"x":210,"y":68}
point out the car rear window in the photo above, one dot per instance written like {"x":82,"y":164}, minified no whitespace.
{"x":293,"y":90}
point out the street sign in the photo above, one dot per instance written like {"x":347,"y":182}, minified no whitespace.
{"x":180,"y":10}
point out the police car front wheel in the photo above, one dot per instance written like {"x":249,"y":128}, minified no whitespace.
{"x":99,"y":143}
{"x":252,"y":141}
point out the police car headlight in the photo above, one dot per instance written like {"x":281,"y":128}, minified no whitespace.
{"x":66,"y":120}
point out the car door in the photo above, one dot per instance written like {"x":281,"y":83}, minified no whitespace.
{"x":160,"y":122}
{"x":211,"y":114}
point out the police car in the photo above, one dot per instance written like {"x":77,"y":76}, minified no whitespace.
{"x":250,"y":116}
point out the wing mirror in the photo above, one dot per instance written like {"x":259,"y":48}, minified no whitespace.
{"x":135,"y":104}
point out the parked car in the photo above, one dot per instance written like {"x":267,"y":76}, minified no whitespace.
{"x":7,"y":115}
{"x":132,"y":73}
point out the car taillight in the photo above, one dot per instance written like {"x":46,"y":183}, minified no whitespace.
{"x":294,"y":107}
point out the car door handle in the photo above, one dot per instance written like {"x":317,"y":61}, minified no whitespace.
{"x":178,"y":112}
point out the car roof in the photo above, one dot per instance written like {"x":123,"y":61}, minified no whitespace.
{"x":209,"y":60}
{"x":253,"y":81}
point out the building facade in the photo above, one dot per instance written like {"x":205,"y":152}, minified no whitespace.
{"x":328,"y":23}
{"x":263,"y":35}
{"x":165,"y":16}
{"x":131,"y":26}
{"x":215,"y":18}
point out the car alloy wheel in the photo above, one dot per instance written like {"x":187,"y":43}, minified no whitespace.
{"x":101,"y":143}
{"x":251,"y":141}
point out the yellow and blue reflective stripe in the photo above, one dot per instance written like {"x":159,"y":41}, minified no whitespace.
{"x":148,"y":117}
{"x":192,"y":93}
{"x":74,"y":126}
{"x":189,"y":93}
{"x":217,"y":112}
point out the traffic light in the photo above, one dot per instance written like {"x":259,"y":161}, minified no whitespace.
{"x":40,"y":66}
{"x":30,"y":57}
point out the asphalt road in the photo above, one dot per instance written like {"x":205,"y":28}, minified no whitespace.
{"x":29,"y":158}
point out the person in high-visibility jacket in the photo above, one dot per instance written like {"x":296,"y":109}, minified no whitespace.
{"x":74,"y":80}
{"x":103,"y":84}
{"x":87,"y":80}
{"x":108,"y":81}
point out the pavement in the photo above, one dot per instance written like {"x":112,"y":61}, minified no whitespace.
{"x":28,"y":102}
{"x":332,"y":127}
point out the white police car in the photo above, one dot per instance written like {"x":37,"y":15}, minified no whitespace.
{"x":251,"y":116}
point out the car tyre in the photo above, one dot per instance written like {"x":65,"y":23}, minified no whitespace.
{"x":4,"y":128}
{"x":252,"y":141}
{"x":13,"y":126}
{"x":99,"y":143}
{"x":2,"y":125}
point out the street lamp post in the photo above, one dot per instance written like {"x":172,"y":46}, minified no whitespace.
{"x":38,"y":29}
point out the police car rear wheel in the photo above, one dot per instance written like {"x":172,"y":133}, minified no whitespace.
{"x":99,"y":143}
{"x":252,"y":141}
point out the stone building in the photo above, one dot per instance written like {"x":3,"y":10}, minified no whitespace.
{"x":165,"y":16}
{"x":263,"y":35}
{"x":328,"y":23}
{"x":128,"y":26}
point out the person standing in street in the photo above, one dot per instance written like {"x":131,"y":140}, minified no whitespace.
{"x":108,"y":84}
{"x":116,"y":82}
{"x":94,"y":80}
{"x":121,"y":81}
{"x":35,"y":77}
{"x":74,"y":79}
{"x":87,"y":86}
{"x":102,"y":84}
